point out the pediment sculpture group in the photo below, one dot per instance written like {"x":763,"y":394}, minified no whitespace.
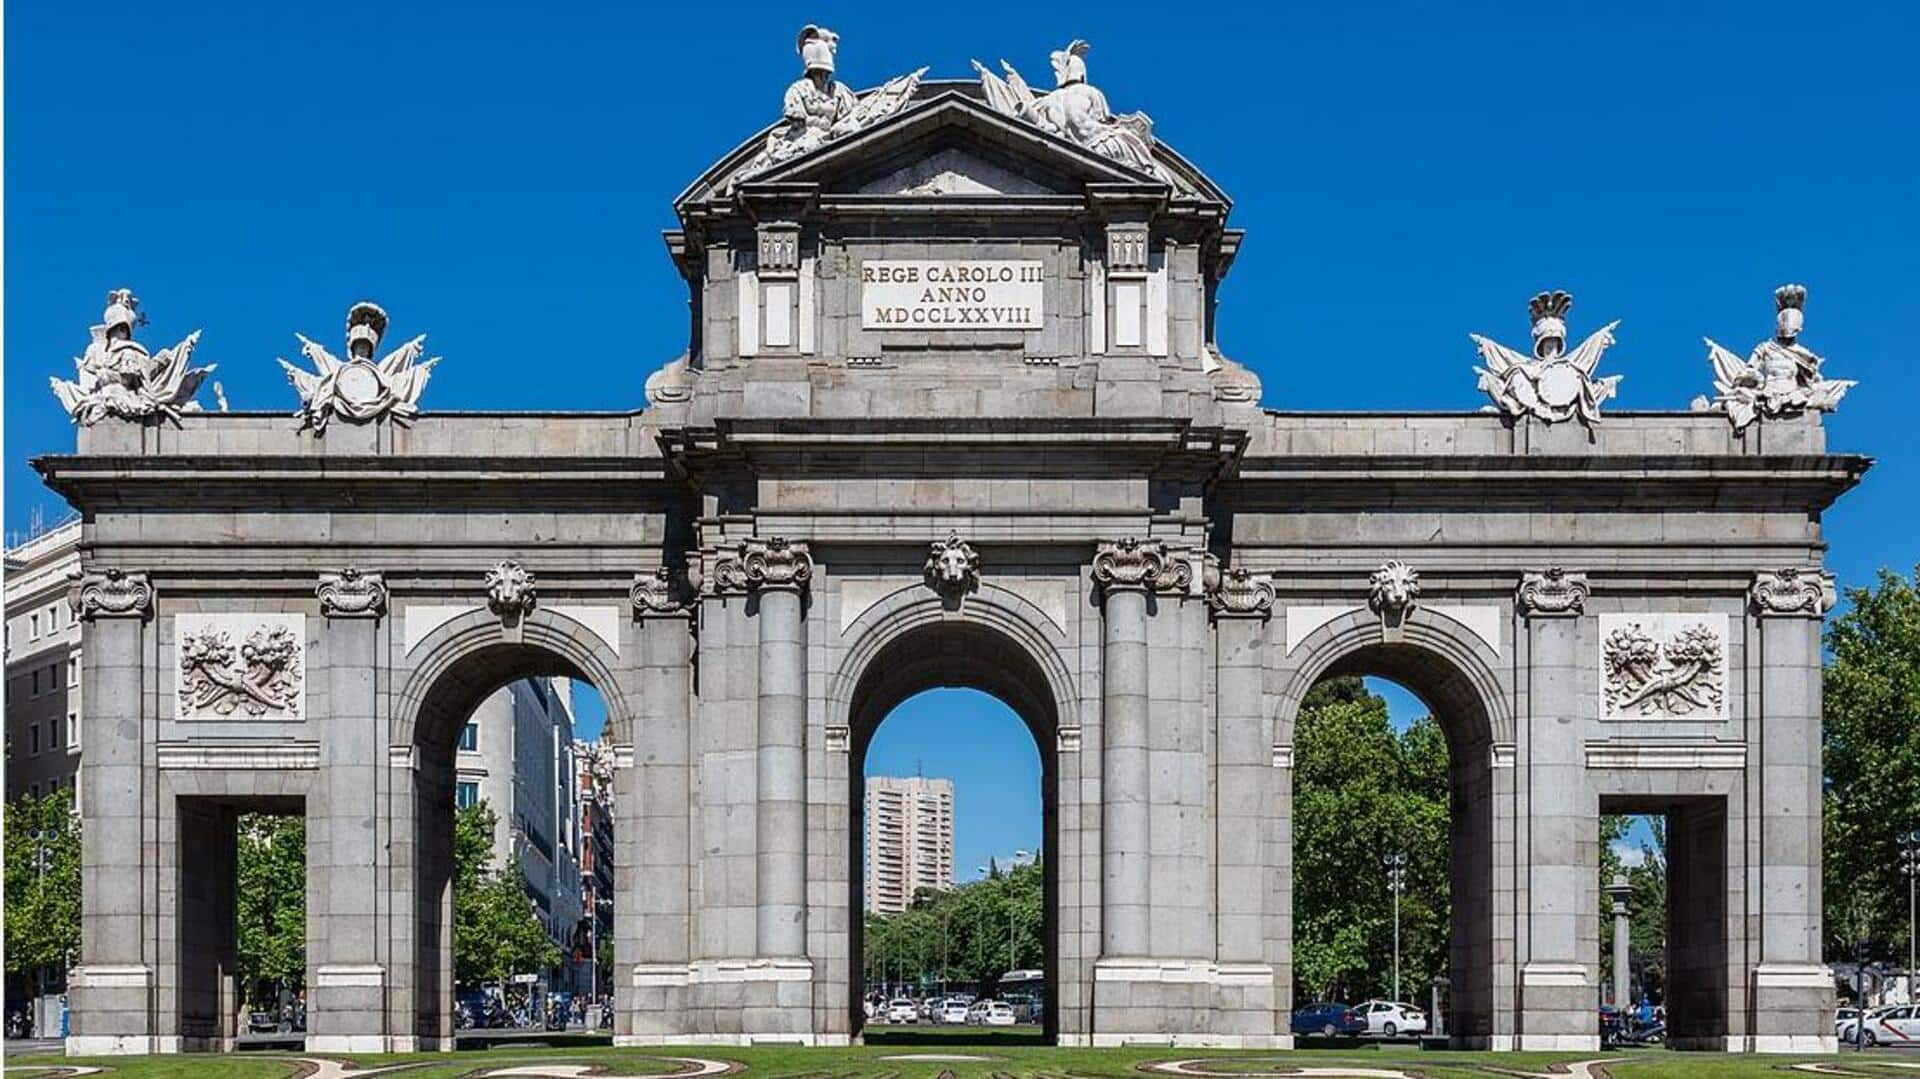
{"x":117,"y":376}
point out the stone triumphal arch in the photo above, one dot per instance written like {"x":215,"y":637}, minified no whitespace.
{"x":953,"y":412}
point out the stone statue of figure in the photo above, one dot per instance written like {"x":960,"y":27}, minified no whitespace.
{"x":819,"y":108}
{"x":1076,"y":110}
{"x":1552,"y":384}
{"x":1781,"y":377}
{"x":116,"y":376}
{"x":360,"y":389}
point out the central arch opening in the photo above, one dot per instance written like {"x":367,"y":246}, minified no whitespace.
{"x":952,"y":788}
{"x":1406,"y":940}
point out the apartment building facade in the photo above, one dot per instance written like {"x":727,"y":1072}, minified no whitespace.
{"x":909,"y":843}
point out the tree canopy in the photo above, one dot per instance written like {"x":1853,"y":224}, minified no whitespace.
{"x":971,"y":934}
{"x":1871,"y":739}
{"x":42,"y":881}
{"x":496,"y":932}
{"x":1363,"y":791}
{"x":270,"y":904}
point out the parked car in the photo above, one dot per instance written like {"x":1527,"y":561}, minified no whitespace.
{"x":998,"y":1014}
{"x":953,"y":1010}
{"x":1328,"y":1020}
{"x":1842,"y":1016}
{"x":902,"y":1010}
{"x":262,"y":1022}
{"x":1896,"y":1025}
{"x":1392,"y":1018}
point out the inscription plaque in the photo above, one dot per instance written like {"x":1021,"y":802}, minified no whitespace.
{"x":952,"y":294}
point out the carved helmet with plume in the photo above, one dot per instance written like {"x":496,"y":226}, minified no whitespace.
{"x":366,"y":322}
{"x":817,"y":46}
{"x":1789,"y":304}
{"x":1069,"y":64}
{"x":1549,"y":313}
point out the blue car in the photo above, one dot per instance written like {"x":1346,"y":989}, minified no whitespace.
{"x":1328,"y":1020}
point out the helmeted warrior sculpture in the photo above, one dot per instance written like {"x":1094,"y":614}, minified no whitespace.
{"x":1780,"y":378}
{"x":117,"y":377}
{"x":1553,"y":384}
{"x":819,"y":108}
{"x":359,"y":389}
{"x":1076,"y":110}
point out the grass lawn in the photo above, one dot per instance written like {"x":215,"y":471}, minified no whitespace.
{"x":1004,"y":1059}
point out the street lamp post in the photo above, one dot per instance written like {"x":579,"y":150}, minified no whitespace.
{"x":1396,"y":864}
{"x":1910,"y":866}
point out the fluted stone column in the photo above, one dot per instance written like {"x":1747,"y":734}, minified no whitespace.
{"x":1125,"y":571}
{"x":347,"y":981}
{"x":1792,"y":988}
{"x":1557,"y":980}
{"x":112,"y":996}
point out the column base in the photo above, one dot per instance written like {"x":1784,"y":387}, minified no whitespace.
{"x":112,"y":1011}
{"x":1792,"y":1009}
{"x":723,"y":1002}
{"x":346,"y":1009}
{"x":1184,"y":1003}
{"x":1557,"y":1010}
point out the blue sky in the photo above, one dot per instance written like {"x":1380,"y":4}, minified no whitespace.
{"x":497,"y":176}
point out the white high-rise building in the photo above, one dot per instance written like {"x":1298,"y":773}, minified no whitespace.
{"x":909,"y":840}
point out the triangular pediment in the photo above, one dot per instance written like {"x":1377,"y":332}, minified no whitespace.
{"x":948,"y":142}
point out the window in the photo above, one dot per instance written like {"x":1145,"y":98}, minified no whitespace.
{"x":53,"y":676}
{"x":33,"y":626}
{"x":73,"y":669}
{"x":33,"y":790}
{"x":36,"y":683}
{"x":33,"y":739}
{"x":73,"y":729}
{"x":470,"y":736}
{"x":466,"y":794}
{"x":53,"y":733}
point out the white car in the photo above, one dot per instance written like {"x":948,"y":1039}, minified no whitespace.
{"x":1897,"y":1025}
{"x":997,"y":1013}
{"x":902,"y":1010}
{"x":1390,"y":1019}
{"x":953,"y":1011}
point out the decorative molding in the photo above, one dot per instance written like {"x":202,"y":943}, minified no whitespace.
{"x":198,"y":756}
{"x":1552,"y":384}
{"x":352,"y":593}
{"x":1556,"y":975}
{"x":1663,"y":666}
{"x":112,"y":593}
{"x":1393,"y":591}
{"x":756,"y":564}
{"x":252,"y":665}
{"x":953,"y":566}
{"x":1067,"y":739}
{"x":1688,"y":754}
{"x":511,"y":594}
{"x":658,"y":592}
{"x":1553,"y":593}
{"x":407,"y":757}
{"x":349,"y":975}
{"x":1283,"y":756}
{"x":839,"y":738}
{"x":1502,"y":755}
{"x":1792,"y":592}
{"x":1143,"y":565}
{"x":622,"y":757}
{"x":1237,"y":592}
{"x":360,"y":389}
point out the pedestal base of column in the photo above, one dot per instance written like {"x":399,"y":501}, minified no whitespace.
{"x":112,"y":1011}
{"x":1188,"y":1003}
{"x":723,"y":1002}
{"x":1792,"y":1009}
{"x":1557,"y":1009}
{"x":346,"y":1009}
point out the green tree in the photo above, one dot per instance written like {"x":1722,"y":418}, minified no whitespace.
{"x":1871,"y":740}
{"x":968,"y":934}
{"x":496,"y":932}
{"x":42,"y":882}
{"x":270,"y":905}
{"x":1362,"y":791}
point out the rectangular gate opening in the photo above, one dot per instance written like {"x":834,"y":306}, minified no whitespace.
{"x":1669,"y":852}
{"x":241,"y":926}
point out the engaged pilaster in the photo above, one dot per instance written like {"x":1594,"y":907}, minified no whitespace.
{"x":1792,"y":988}
{"x":113,"y":991}
{"x":1125,"y":571}
{"x":1563,"y":930}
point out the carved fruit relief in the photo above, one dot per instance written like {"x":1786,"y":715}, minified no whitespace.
{"x":239,"y":666}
